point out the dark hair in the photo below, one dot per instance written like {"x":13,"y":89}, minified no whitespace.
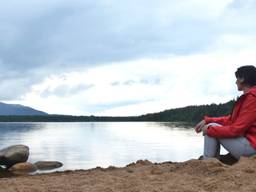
{"x":248,"y":74}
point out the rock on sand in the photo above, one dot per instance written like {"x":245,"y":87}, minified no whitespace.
{"x":48,"y":165}
{"x":23,"y":168}
{"x":14,"y":154}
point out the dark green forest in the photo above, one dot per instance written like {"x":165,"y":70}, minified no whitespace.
{"x":186,"y":114}
{"x":190,"y":113}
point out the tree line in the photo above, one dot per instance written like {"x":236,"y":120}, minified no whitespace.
{"x":190,"y":113}
{"x":185,"y":114}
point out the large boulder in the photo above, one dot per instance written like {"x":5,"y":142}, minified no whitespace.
{"x":14,"y":154}
{"x":47,"y":165}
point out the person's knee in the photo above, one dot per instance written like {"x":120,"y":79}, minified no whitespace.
{"x":214,"y":124}
{"x":210,"y":138}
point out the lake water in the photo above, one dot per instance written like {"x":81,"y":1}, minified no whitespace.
{"x":92,"y":144}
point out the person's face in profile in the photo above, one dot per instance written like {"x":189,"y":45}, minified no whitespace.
{"x":239,"y":83}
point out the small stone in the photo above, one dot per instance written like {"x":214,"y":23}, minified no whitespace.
{"x":48,"y":165}
{"x":23,"y":168}
{"x":129,"y":170}
{"x":156,"y":171}
{"x":249,"y":170}
{"x":14,"y":154}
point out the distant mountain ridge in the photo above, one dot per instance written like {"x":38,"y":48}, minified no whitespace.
{"x":15,"y":109}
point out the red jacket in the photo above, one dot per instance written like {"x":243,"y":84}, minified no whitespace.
{"x":241,"y":122}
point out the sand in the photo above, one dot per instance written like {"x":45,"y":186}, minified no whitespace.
{"x":144,"y":176}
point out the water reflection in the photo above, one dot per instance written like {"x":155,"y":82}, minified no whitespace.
{"x":183,"y":125}
{"x":87,"y":145}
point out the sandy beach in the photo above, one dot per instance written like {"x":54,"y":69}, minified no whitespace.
{"x":144,"y":176}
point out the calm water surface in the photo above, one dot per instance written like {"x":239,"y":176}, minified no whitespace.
{"x":88,"y":145}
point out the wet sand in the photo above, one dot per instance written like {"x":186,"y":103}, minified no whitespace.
{"x":144,"y":176}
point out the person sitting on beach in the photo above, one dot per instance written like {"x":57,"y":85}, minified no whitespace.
{"x":235,"y":132}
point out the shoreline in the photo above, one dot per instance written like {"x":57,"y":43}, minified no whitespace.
{"x":191,"y":176}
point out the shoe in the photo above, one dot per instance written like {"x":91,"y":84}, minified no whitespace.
{"x":228,"y":159}
{"x":201,"y":157}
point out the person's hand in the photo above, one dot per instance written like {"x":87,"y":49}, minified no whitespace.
{"x":204,"y":128}
{"x":199,"y":126}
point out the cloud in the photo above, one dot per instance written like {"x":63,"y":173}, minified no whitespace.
{"x":123,"y":89}
{"x":74,"y":33}
{"x":83,"y":57}
{"x":248,"y":5}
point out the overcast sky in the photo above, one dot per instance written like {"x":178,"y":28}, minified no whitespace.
{"x":129,"y":57}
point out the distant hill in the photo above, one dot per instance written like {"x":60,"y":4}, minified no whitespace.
{"x":13,"y":109}
{"x":190,"y":113}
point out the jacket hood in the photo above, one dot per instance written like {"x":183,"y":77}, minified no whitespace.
{"x":252,"y":91}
